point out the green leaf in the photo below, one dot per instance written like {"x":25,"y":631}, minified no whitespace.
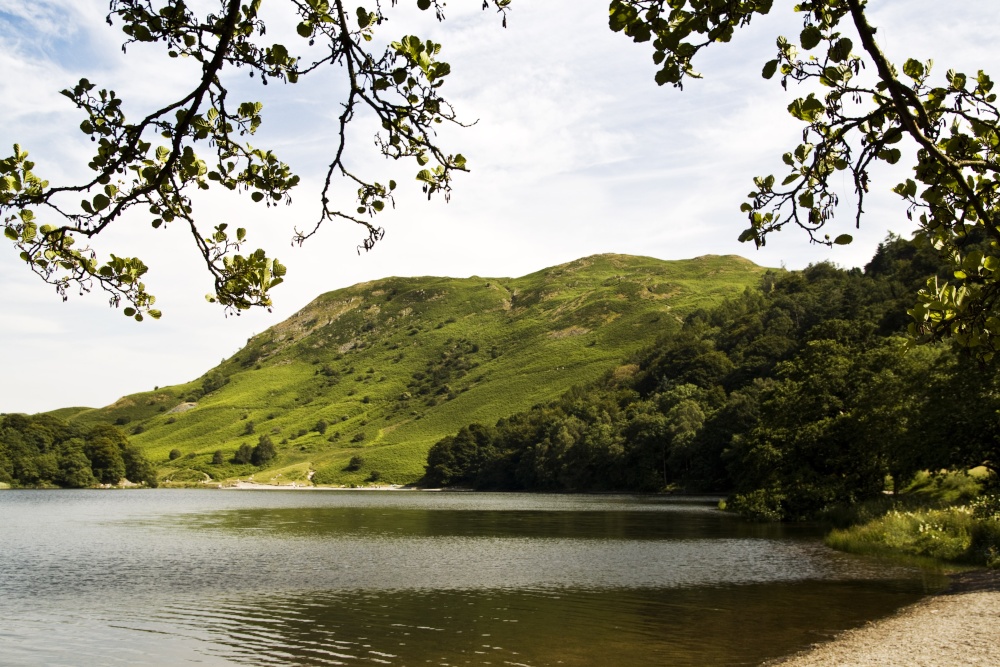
{"x":101,"y":202}
{"x":670,"y":73}
{"x":843,"y":239}
{"x":810,"y":37}
{"x":364,"y":18}
{"x":808,"y":109}
{"x":10,"y":233}
{"x":833,"y":74}
{"x":257,"y":196}
{"x":424,"y":4}
{"x":841,"y":51}
{"x":770,"y":67}
{"x":913,"y":69}
{"x":129,"y":312}
{"x":890,"y":155}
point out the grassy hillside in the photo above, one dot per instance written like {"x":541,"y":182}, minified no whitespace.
{"x":382,"y":370}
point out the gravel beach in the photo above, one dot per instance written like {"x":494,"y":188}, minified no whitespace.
{"x":957,"y":628}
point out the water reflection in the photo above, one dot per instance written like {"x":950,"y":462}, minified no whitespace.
{"x":731,"y":625}
{"x":380,"y":522}
{"x":168,"y":578}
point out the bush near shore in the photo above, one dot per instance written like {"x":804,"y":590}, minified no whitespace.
{"x":966,"y":532}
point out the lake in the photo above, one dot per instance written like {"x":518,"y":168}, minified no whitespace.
{"x":215,"y":577}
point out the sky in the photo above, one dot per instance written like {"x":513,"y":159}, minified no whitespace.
{"x":574,"y":151}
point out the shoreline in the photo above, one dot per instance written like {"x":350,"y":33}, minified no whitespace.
{"x":957,"y":627}
{"x":262,"y":486}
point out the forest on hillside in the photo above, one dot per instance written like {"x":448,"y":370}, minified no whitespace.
{"x":795,"y":397}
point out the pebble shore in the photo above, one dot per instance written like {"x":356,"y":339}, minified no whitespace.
{"x":958,"y":628}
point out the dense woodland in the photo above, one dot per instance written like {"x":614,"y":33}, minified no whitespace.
{"x":795,"y":397}
{"x":42,"y":450}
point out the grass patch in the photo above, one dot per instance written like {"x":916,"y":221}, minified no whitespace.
{"x":965,"y":534}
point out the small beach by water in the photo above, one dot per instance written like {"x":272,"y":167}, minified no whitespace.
{"x":959,"y":627}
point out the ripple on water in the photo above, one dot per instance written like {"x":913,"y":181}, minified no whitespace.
{"x":402,"y":579}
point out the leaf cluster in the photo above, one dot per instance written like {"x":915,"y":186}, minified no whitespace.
{"x":148,"y":167}
{"x":858,"y":109}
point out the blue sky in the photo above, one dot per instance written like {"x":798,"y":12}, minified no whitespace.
{"x":576,"y":152}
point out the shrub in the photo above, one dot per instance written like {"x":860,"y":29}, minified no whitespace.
{"x":218,"y":458}
{"x":355,"y":464}
{"x":174,"y":454}
{"x":264,"y":452}
{"x":759,"y":505}
{"x":243,"y":454}
{"x":358,"y":437}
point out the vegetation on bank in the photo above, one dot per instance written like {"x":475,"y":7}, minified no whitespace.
{"x":796,"y":397}
{"x":45,"y":451}
{"x":945,"y":517}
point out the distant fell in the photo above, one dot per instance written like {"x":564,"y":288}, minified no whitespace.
{"x":357,"y":386}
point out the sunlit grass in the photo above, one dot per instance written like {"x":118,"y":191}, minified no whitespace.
{"x":955,"y":534}
{"x":940,"y":516}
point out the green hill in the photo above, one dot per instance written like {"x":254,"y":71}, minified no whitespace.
{"x":380,"y":371}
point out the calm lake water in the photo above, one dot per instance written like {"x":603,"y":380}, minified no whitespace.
{"x":173,"y":577}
